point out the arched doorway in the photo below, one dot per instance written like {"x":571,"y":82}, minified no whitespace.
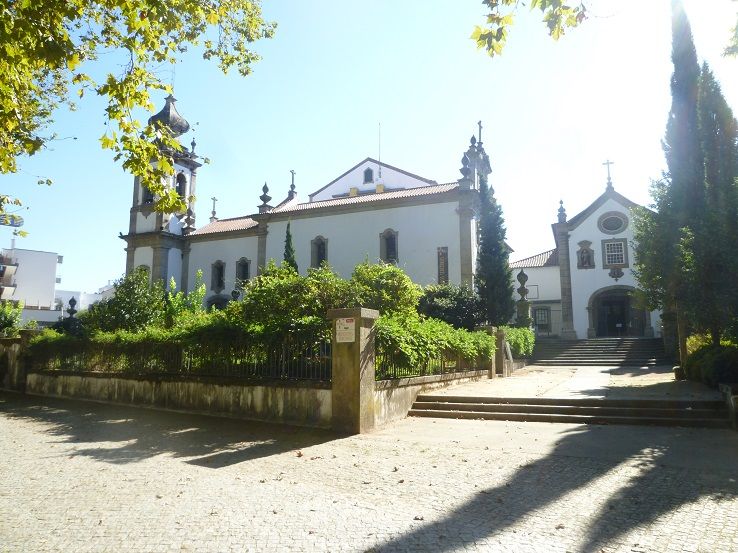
{"x":612,"y":313}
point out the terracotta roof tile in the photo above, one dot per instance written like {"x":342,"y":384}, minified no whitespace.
{"x":548,"y":258}
{"x":369,"y":198}
{"x":226,"y":225}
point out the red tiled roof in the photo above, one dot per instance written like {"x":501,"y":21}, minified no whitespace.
{"x":369,"y":198}
{"x":226,"y":225}
{"x":548,"y":258}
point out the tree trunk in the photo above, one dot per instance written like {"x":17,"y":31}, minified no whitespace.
{"x":715,"y":336}
{"x":682,"y":336}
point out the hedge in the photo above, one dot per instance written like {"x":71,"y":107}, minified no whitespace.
{"x":713,"y":365}
{"x":521,"y":340}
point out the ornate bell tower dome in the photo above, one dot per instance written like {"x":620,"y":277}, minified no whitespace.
{"x":157,"y":240}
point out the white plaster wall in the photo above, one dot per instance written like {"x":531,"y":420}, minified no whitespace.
{"x":354,"y":237}
{"x":585,"y":282}
{"x":174,"y":267}
{"x":544,"y":283}
{"x":204,"y":254}
{"x":35,"y":277}
{"x":390,"y":179}
{"x":143,"y":256}
{"x":145,"y":223}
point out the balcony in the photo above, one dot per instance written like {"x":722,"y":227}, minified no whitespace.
{"x":7,"y":291}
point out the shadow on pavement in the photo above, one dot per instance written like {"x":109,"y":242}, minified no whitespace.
{"x":668,"y":468}
{"x":132,"y":434}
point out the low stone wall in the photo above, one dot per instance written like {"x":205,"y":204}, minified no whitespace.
{"x":393,"y":398}
{"x":301,"y":403}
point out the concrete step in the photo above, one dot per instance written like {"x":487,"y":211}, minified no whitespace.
{"x":574,"y":419}
{"x":706,"y":413}
{"x":603,"y":411}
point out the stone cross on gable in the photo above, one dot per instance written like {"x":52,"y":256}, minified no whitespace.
{"x":212,"y":216}
{"x":609,"y":180}
{"x":479,"y":123}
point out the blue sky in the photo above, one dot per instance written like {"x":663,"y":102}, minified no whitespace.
{"x":552,"y":113}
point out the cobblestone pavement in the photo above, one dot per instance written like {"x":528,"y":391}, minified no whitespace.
{"x":79,"y":476}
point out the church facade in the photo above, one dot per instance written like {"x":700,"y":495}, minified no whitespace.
{"x":583,"y":287}
{"x":373,"y":211}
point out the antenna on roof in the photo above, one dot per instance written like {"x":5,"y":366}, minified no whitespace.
{"x":379,"y":155}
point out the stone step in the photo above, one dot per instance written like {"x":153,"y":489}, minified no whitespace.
{"x":574,"y":419}
{"x":603,"y":411}
{"x":665,"y":412}
{"x":576,"y":401}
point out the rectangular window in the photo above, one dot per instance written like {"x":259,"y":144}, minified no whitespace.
{"x":243,"y":270}
{"x":614,"y":253}
{"x":443,"y":265}
{"x":542,"y":318}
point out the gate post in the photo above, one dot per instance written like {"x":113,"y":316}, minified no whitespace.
{"x":353,"y":373}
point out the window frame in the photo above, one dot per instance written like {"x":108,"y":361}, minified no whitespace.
{"x":219,"y":285}
{"x":383,"y":255}
{"x":315,"y":245}
{"x":624,"y":244}
{"x":370,"y":172}
{"x":243,"y":262}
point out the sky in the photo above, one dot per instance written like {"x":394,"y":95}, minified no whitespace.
{"x":552,"y":113}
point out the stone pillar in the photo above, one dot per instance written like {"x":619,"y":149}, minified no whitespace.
{"x":567,"y":316}
{"x":160,"y":264}
{"x":353,"y":373}
{"x":500,"y":354}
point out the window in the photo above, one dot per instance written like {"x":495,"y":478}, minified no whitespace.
{"x":368,"y":175}
{"x":148,"y":196}
{"x":243,"y":271}
{"x":443,"y":265}
{"x":217,"y":276}
{"x":181,"y":184}
{"x":388,"y":246}
{"x":612,"y":222}
{"x":614,"y":253}
{"x":542,"y":318}
{"x":318,"y":251}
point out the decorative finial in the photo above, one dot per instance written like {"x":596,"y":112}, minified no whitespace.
{"x":609,"y":180}
{"x":562,"y":212}
{"x":265,"y":197}
{"x":473,"y":140}
{"x":193,"y":144}
{"x":465,"y":171}
{"x":479,"y":123}
{"x":213,"y":218}
{"x":522,"y":290}
{"x":292,"y":186}
{"x":71,"y":310}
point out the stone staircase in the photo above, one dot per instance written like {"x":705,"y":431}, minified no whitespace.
{"x":624,"y":352}
{"x":707,"y":414}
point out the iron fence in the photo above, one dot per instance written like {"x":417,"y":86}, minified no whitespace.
{"x":287,"y":359}
{"x":392,"y":364}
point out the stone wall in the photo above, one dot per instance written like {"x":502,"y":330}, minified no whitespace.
{"x":300,"y":403}
{"x":394,"y":398}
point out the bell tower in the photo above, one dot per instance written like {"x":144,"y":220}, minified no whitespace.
{"x":158,"y":240}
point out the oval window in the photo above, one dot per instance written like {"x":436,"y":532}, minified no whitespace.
{"x":612,"y":222}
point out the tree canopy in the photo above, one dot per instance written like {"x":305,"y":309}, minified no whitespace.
{"x":47,"y":47}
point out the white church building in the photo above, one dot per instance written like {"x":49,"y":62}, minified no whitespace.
{"x":374,"y":211}
{"x":582,"y":288}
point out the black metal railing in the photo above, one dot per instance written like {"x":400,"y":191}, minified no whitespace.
{"x":391,"y":365}
{"x":289,"y":359}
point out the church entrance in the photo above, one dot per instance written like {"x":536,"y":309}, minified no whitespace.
{"x":613,"y":315}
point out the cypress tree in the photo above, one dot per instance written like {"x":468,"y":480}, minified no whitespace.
{"x":289,"y":249}
{"x":494,"y":277}
{"x":712,"y":296}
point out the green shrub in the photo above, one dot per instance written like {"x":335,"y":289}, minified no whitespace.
{"x":10,"y":318}
{"x":521,"y":340}
{"x":696,"y":341}
{"x":385,"y":288}
{"x":713,"y":365}
{"x":412,"y":342}
{"x":457,"y":305}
